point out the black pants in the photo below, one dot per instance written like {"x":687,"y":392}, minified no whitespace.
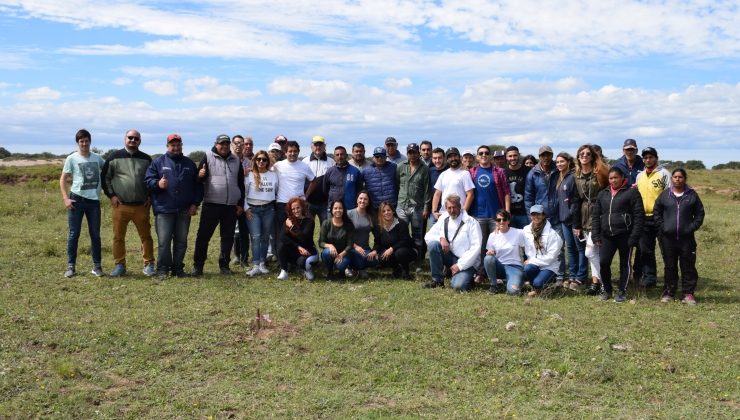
{"x":281,"y":214}
{"x":211,"y":216}
{"x":400,"y":257}
{"x":288,"y":254}
{"x":609,"y":246}
{"x":680,"y":251}
{"x":650,"y":234}
{"x":241,"y":241}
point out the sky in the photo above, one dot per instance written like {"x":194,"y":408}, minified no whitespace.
{"x":458,"y":73}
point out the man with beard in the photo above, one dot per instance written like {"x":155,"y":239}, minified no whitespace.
{"x":516,"y":174}
{"x":454,"y":180}
{"x":414,"y":195}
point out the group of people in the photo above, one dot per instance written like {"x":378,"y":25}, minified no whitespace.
{"x":484,"y":217}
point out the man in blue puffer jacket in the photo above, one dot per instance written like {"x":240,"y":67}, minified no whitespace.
{"x":380,"y":180}
{"x":176,"y":194}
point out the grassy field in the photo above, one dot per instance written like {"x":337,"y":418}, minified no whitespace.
{"x":140,"y":347}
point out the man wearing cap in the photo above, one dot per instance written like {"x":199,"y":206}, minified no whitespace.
{"x":283,"y":142}
{"x":516,"y":174}
{"x":123,"y":182}
{"x":439,"y":165}
{"x":222,"y":176}
{"x":342,"y":181}
{"x":455,"y":180}
{"x":499,"y":159}
{"x":176,"y":191}
{"x":454,"y":242}
{"x":293,"y":175}
{"x":243,"y":148}
{"x":358,"y":157}
{"x":319,"y":162}
{"x":414,"y":195}
{"x":276,"y":152}
{"x":651,"y":182}
{"x":468,"y":159}
{"x":630,"y":163}
{"x":380,"y":180}
{"x":392,"y":152}
{"x":82,"y":168}
{"x":425,"y":147}
{"x":491,"y":194}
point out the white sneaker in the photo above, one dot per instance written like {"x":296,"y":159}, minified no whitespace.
{"x":283,"y":275}
{"x":263,"y":268}
{"x":309,"y":275}
{"x":348,"y":273}
{"x":255,"y":271}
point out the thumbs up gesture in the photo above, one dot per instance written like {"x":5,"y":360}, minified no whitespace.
{"x":202,"y":171}
{"x":163,"y":182}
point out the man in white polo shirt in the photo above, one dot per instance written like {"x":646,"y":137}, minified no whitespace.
{"x":293,"y":175}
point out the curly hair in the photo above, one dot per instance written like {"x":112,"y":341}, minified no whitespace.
{"x":289,"y":205}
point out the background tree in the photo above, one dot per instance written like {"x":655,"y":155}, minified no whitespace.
{"x":4,"y":153}
{"x":197,"y":156}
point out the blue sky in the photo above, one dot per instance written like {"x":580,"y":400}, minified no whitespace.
{"x":459,"y":73}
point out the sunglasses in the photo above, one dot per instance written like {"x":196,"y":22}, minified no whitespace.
{"x":484,"y":153}
{"x":502,"y":220}
{"x":261,"y":160}
{"x":133,"y":138}
{"x":584,"y":154}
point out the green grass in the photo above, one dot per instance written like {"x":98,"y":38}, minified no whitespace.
{"x":136,"y":346}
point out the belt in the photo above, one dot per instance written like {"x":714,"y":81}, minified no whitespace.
{"x":81,"y":199}
{"x":259,"y":206}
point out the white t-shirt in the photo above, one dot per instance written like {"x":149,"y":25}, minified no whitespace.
{"x":318,"y":166}
{"x":85,"y":174}
{"x":293,"y":176}
{"x":507,"y":246}
{"x":263,"y":193}
{"x":454,"y":181}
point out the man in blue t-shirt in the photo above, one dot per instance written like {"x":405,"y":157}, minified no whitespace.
{"x":82,"y":168}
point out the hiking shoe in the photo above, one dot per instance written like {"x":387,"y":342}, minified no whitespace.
{"x":689,"y":299}
{"x":255,"y":271}
{"x":149,"y":270}
{"x":666,"y":298}
{"x":226,"y":271}
{"x":118,"y":271}
{"x":594,"y":289}
{"x":180,"y":274}
{"x":197,"y":272}
{"x":621,"y":297}
{"x":349,"y":273}
{"x":97,"y":271}
{"x":433,"y":284}
{"x":283,"y":275}
{"x":263,"y":268}
{"x":70,"y":271}
{"x":604,"y":296}
{"x":362,"y":274}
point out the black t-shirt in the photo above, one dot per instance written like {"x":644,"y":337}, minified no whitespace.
{"x":516,"y":180}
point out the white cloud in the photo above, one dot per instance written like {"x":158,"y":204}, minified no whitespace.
{"x":121,"y":81}
{"x":392,"y":83}
{"x":153,"y":72}
{"x":43,"y":93}
{"x":209,"y":89}
{"x":161,"y":87}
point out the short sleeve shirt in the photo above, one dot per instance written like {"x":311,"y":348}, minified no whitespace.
{"x":454,"y":182}
{"x":362,"y":228}
{"x":507,"y":246}
{"x":85,"y":173}
{"x":292,"y":177}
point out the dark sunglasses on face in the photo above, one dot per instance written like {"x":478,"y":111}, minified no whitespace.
{"x":133,"y":138}
{"x":584,"y":154}
{"x":483,"y":153}
{"x":502,"y":220}
{"x":261,"y":160}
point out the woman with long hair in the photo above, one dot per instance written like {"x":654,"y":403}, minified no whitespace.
{"x":503,"y":258}
{"x":577,"y":268}
{"x":529,"y":161}
{"x":591,"y":176}
{"x":392,"y":246}
{"x":296,"y":240}
{"x":363,"y":224}
{"x":617,"y":225}
{"x":679,"y":213}
{"x":260,"y":186}
{"x":542,"y":245}
{"x":336,"y":238}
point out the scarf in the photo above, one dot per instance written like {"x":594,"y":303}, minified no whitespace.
{"x":537,"y":233}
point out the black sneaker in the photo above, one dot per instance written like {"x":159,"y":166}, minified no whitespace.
{"x":621,"y":297}
{"x":604,"y":296}
{"x":594,"y":289}
{"x":433,"y":284}
{"x":181,"y":274}
{"x":397,"y":271}
{"x":493,"y":289}
{"x":226,"y":271}
{"x":197,"y":272}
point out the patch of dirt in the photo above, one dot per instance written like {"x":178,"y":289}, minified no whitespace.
{"x":119,"y":384}
{"x":381,"y":402}
{"x":31,"y":162}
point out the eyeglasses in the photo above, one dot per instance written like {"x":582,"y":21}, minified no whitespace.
{"x":585,"y":154}
{"x":133,"y":138}
{"x":261,"y":160}
{"x":484,"y":153}
{"x":502,"y":220}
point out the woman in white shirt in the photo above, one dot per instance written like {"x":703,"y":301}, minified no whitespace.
{"x":259,"y":205}
{"x":542,"y":246}
{"x":503,"y":258}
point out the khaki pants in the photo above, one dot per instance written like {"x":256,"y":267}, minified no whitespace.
{"x":139,"y":214}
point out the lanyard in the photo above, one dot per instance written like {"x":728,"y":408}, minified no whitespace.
{"x":447,"y":221}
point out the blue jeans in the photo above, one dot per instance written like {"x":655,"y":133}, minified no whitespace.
{"x":320,"y":210}
{"x":172,"y":240}
{"x":577,"y":268}
{"x":463,"y":280}
{"x":557,"y":227}
{"x":512,"y":273}
{"x":91,"y":210}
{"x":537,"y":277}
{"x":359,"y":262}
{"x":262,"y":223}
{"x":329,"y":261}
{"x":519,"y":221}
{"x":413,"y":216}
